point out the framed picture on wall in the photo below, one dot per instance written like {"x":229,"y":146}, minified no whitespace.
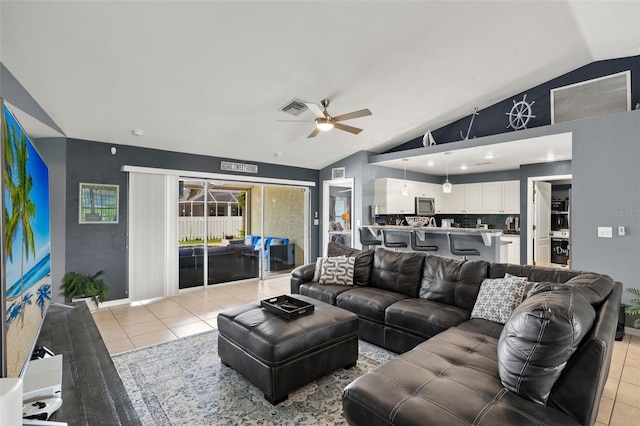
{"x":98,"y":203}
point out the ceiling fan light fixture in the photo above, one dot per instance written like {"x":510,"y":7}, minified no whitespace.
{"x":324,"y":124}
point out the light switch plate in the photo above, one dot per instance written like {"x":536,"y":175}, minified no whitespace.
{"x":316,"y":222}
{"x":605,"y":232}
{"x":621,"y":231}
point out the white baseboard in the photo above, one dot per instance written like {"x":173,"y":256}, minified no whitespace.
{"x":116,"y":302}
{"x":632,"y":331}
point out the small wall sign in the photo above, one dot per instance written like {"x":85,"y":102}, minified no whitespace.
{"x":230,"y":166}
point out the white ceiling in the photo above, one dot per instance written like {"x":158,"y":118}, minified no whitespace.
{"x":208,"y":77}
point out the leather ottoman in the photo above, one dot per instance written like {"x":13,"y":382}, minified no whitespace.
{"x":279,"y":355}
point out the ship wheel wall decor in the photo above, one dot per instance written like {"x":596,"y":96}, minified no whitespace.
{"x":520,"y":114}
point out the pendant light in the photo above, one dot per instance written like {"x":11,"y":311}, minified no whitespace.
{"x":405,"y":190}
{"x":446,"y":186}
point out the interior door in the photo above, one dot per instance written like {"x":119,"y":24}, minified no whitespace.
{"x":337,"y":212}
{"x":542,"y":224}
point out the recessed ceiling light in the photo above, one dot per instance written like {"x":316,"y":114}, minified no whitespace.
{"x":489,"y":156}
{"x":137,"y":132}
{"x":430,"y":163}
{"x":463,"y":167}
{"x":550,"y":157}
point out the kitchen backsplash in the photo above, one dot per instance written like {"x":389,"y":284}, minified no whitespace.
{"x":495,"y":221}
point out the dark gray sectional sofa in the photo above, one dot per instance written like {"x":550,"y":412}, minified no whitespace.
{"x":547,"y":364}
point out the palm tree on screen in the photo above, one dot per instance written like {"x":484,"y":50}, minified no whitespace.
{"x":23,"y":209}
{"x":10,"y":221}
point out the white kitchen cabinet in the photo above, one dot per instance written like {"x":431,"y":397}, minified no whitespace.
{"x":504,"y":253}
{"x":511,"y":196}
{"x":454,"y":201}
{"x":513,"y":249}
{"x":438,"y":196}
{"x":492,"y":197}
{"x":501,"y":197}
{"x":473,"y":198}
{"x":389,"y":199}
{"x":470,"y":198}
{"x":422,"y":189}
{"x":463,"y":198}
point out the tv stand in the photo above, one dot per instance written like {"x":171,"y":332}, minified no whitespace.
{"x":92,"y":389}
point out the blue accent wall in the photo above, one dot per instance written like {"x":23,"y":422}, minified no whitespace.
{"x":94,"y":247}
{"x":493,"y":120}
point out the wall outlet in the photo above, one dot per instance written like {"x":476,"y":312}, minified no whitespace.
{"x":621,"y":231}
{"x":605,"y":232}
{"x":316,"y":222}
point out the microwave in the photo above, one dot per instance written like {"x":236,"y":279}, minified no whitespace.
{"x":425,"y":206}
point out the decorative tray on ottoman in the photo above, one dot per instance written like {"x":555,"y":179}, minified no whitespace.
{"x":287,"y":307}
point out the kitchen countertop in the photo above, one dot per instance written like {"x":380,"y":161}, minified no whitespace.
{"x":486,"y":234}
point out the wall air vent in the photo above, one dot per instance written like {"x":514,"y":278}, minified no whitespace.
{"x":591,"y":98}
{"x":294,"y":107}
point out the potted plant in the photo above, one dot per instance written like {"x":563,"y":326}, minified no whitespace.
{"x":91,"y":288}
{"x":634,"y":308}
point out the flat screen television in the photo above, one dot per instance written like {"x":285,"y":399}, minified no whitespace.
{"x":25,"y":263}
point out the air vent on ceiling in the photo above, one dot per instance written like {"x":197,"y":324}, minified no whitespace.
{"x":294,"y":107}
{"x":591,"y":98}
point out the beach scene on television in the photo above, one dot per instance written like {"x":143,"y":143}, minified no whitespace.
{"x":27,"y":242}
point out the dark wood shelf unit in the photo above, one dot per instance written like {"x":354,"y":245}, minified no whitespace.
{"x":92,"y":391}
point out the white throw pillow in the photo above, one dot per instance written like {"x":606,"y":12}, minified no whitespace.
{"x":318,"y":271}
{"x":498,"y":297}
{"x":337,"y":270}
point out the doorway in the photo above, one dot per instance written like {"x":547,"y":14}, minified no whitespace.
{"x":337,"y":212}
{"x":549,"y":228}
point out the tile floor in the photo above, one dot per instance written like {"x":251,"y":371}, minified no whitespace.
{"x":140,"y":324}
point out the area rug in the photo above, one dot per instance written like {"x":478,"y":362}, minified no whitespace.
{"x":183,"y":382}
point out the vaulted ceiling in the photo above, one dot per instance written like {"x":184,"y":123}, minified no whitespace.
{"x":208,"y":77}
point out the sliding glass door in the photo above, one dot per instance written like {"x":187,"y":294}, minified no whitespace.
{"x":230,"y":231}
{"x":284,"y":222}
{"x":191,"y":232}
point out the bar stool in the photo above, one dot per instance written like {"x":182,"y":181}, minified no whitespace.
{"x":368,"y":240}
{"x":419,"y":247}
{"x":392,"y":244}
{"x":464,"y":252}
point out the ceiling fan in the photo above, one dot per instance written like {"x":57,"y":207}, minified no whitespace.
{"x":325,"y":122}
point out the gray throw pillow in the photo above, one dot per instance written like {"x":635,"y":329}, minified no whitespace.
{"x":498,"y":297}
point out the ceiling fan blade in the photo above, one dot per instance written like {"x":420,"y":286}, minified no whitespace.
{"x":346,"y":128}
{"x":315,"y":109}
{"x":295,"y":121}
{"x":354,"y":114}
{"x":314,"y":133}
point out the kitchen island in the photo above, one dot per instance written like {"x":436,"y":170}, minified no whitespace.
{"x":486,"y":241}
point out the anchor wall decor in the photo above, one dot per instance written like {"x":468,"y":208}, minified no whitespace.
{"x":473,"y":115}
